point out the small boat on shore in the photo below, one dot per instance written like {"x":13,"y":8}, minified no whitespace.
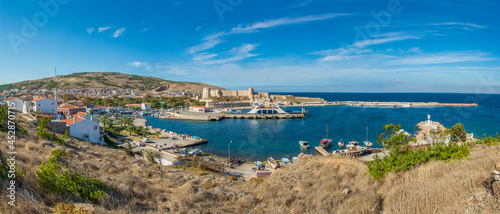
{"x":294,"y":159}
{"x":272,"y":163}
{"x":304,"y":144}
{"x":285,"y":161}
{"x":341,"y":143}
{"x":259,"y":165}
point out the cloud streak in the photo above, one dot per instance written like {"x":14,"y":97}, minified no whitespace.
{"x":102,"y":29}
{"x":90,"y":30}
{"x":118,"y":32}
{"x":464,"y":24}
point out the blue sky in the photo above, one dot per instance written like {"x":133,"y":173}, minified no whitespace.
{"x":303,"y":45}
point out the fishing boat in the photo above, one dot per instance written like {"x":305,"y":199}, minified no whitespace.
{"x":304,"y":144}
{"x":285,"y":161}
{"x":272,"y":163}
{"x":366,"y":142}
{"x":325,"y":143}
{"x":341,"y":143}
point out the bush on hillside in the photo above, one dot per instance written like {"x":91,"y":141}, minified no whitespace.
{"x":59,"y":178}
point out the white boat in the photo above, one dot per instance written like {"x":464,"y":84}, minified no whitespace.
{"x":366,"y":142}
{"x":194,"y":151}
{"x":341,"y":143}
{"x":304,"y":144}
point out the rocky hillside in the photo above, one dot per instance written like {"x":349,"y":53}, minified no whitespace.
{"x":98,"y":80}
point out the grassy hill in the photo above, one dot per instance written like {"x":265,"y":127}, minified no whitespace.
{"x":108,"y":80}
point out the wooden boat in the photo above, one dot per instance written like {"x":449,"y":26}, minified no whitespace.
{"x":304,"y":144}
{"x":272,"y":163}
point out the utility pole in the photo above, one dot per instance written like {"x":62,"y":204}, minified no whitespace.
{"x":229,"y":152}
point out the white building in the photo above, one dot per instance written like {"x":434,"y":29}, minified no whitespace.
{"x":45,"y":105}
{"x":17,"y":103}
{"x":146,"y":106}
{"x":200,"y":109}
{"x":88,"y":130}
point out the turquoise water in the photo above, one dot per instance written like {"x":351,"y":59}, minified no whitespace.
{"x":259,"y":139}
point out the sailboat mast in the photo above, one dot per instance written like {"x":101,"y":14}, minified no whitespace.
{"x":367,"y":133}
{"x":327,"y":131}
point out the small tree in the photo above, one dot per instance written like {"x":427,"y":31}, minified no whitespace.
{"x":394,"y":138}
{"x":130,"y":128}
{"x":458,"y":132}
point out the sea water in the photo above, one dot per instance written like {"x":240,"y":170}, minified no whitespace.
{"x":259,"y":139}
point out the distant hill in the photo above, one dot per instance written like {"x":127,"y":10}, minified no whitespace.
{"x":100,"y":80}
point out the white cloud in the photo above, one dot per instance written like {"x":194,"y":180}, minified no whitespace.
{"x":118,"y":32}
{"x":459,"y":24}
{"x":102,"y":29}
{"x":358,"y":49}
{"x":254,"y":27}
{"x":382,"y":40}
{"x":198,"y":28}
{"x":137,"y":64}
{"x":441,"y":58}
{"x":144,"y":29}
{"x":90,"y":30}
{"x":236,"y":54}
{"x":204,"y":46}
{"x":212,"y":40}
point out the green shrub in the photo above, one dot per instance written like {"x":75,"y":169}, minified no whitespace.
{"x":65,"y":135}
{"x":59,"y":178}
{"x":409,"y":158}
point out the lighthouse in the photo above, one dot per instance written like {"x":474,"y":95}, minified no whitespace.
{"x":429,"y":119}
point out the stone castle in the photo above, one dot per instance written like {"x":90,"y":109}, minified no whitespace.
{"x":250,"y":93}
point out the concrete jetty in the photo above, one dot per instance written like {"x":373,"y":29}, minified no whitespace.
{"x":384,"y":104}
{"x":322,"y":151}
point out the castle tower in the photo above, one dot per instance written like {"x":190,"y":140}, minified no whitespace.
{"x":206,"y":93}
{"x":250,"y":93}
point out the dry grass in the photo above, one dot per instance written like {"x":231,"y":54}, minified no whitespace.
{"x":313,"y":185}
{"x":440,"y":187}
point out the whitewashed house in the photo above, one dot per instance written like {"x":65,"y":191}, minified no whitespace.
{"x":88,"y":130}
{"x":45,"y":105}
{"x":146,"y":106}
{"x":15,"y":103}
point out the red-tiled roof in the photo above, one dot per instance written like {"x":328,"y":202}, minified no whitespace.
{"x":11,"y":98}
{"x":147,"y":103}
{"x":39,"y":99}
{"x":70,"y":121}
{"x":79,"y":114}
{"x":199,"y":107}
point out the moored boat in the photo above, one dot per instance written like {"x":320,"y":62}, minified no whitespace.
{"x":325,"y":143}
{"x":341,"y":143}
{"x":366,"y":142}
{"x":304,"y":144}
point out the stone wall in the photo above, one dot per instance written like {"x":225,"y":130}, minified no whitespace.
{"x":57,"y":127}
